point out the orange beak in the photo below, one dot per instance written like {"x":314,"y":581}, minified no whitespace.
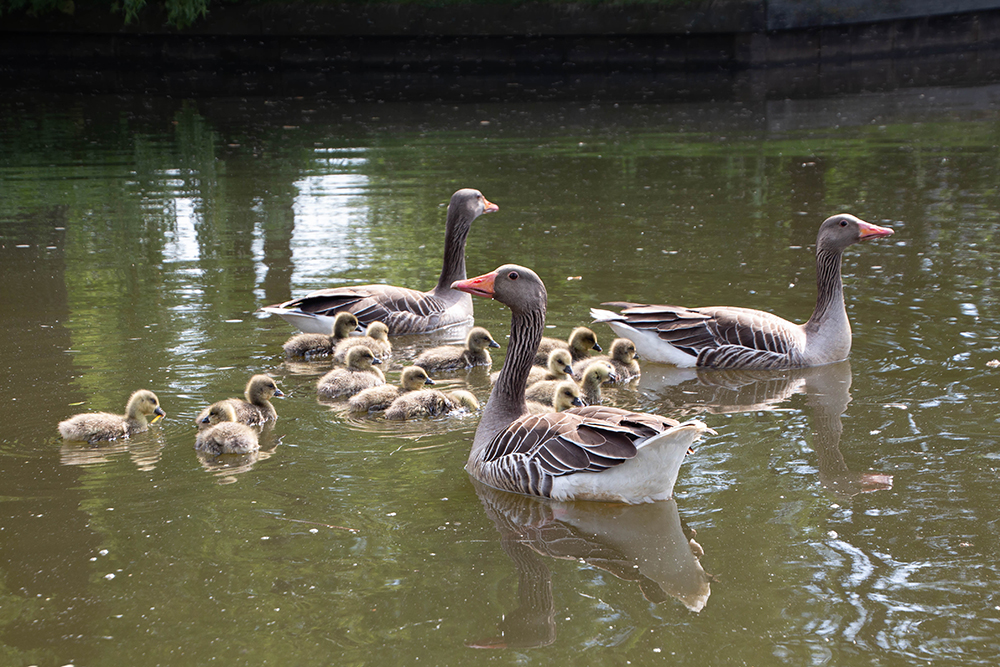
{"x":479,"y":286}
{"x":490,"y":206}
{"x":869,"y":230}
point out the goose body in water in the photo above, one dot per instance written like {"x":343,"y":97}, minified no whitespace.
{"x":220,"y":433}
{"x":474,"y":353}
{"x":100,"y":426}
{"x":590,"y":453}
{"x":403,"y":310}
{"x":732,"y":337}
{"x":356,"y":377}
{"x":314,"y":345}
{"x":257,"y":408}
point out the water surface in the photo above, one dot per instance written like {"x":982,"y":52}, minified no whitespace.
{"x":845,"y":514}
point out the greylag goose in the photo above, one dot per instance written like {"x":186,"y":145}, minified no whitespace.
{"x":311,"y":345}
{"x":621,"y":356}
{"x":579,"y":344}
{"x":404,"y":311}
{"x":474,"y":353}
{"x":376,"y":339}
{"x":220,"y":433}
{"x":379,"y":398}
{"x":357,"y":376}
{"x":590,"y":453}
{"x":99,"y":426}
{"x":564,"y":395}
{"x":257,"y":408}
{"x":730,"y":337}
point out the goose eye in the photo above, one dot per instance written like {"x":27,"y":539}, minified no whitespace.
{"x":843,"y":223}
{"x":513,"y":275}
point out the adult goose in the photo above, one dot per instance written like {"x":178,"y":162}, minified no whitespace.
{"x":403,"y":310}
{"x":589,"y":453}
{"x":730,"y":337}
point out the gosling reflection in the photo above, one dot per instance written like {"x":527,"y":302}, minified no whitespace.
{"x":827,"y":391}
{"x":144,"y":450}
{"x":646,"y":544}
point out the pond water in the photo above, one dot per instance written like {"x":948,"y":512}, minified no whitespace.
{"x":843,"y":515}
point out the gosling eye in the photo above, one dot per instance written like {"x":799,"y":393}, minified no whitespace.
{"x":513,"y":275}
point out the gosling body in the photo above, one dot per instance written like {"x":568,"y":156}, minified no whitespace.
{"x":103,"y":426}
{"x":474,"y":353}
{"x":220,"y":433}
{"x":358,"y":375}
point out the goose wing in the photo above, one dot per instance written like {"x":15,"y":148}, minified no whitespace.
{"x":403,"y":310}
{"x":533,"y":450}
{"x":720,"y":336}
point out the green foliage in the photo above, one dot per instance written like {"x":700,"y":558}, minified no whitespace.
{"x":179,"y":13}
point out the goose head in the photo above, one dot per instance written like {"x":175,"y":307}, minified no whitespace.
{"x":222,"y":411}
{"x":262,"y":388}
{"x":517,"y":287}
{"x":567,"y":396}
{"x":598,"y":373}
{"x":464,"y":399}
{"x":143,"y":403}
{"x":378,"y":331}
{"x":479,"y":339}
{"x":623,"y":350}
{"x":345,"y":324}
{"x":413,"y":378}
{"x":560,"y":361}
{"x":360,"y":358}
{"x":840,"y":231}
{"x":471,"y":202}
{"x":583,"y":339}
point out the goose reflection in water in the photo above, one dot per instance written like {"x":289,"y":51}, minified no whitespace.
{"x":226,"y":467}
{"x":144,"y":449}
{"x":644,"y":543}
{"x":826,"y":388}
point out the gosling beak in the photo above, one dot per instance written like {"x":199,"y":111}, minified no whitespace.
{"x":493,"y":343}
{"x":160,"y":414}
{"x":376,"y":361}
{"x":279,"y":393}
{"x":428,"y":381}
{"x":478,"y":286}
{"x":568,"y":370}
{"x":578,"y":402}
{"x":205,"y":420}
{"x":597,"y":347}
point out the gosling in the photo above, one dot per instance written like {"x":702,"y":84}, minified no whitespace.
{"x":622,"y":358}
{"x":579,"y":344}
{"x":566,"y":396}
{"x":412,"y":378}
{"x":356,"y":377}
{"x":596,"y":373}
{"x":220,"y":432}
{"x":457,"y":357}
{"x":101,"y":426}
{"x":256,"y":409}
{"x":376,"y":339}
{"x":315,"y":345}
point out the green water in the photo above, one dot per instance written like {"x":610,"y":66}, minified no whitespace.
{"x":847,"y":514}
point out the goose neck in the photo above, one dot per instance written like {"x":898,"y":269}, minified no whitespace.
{"x":829,"y":289}
{"x":453,"y":267}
